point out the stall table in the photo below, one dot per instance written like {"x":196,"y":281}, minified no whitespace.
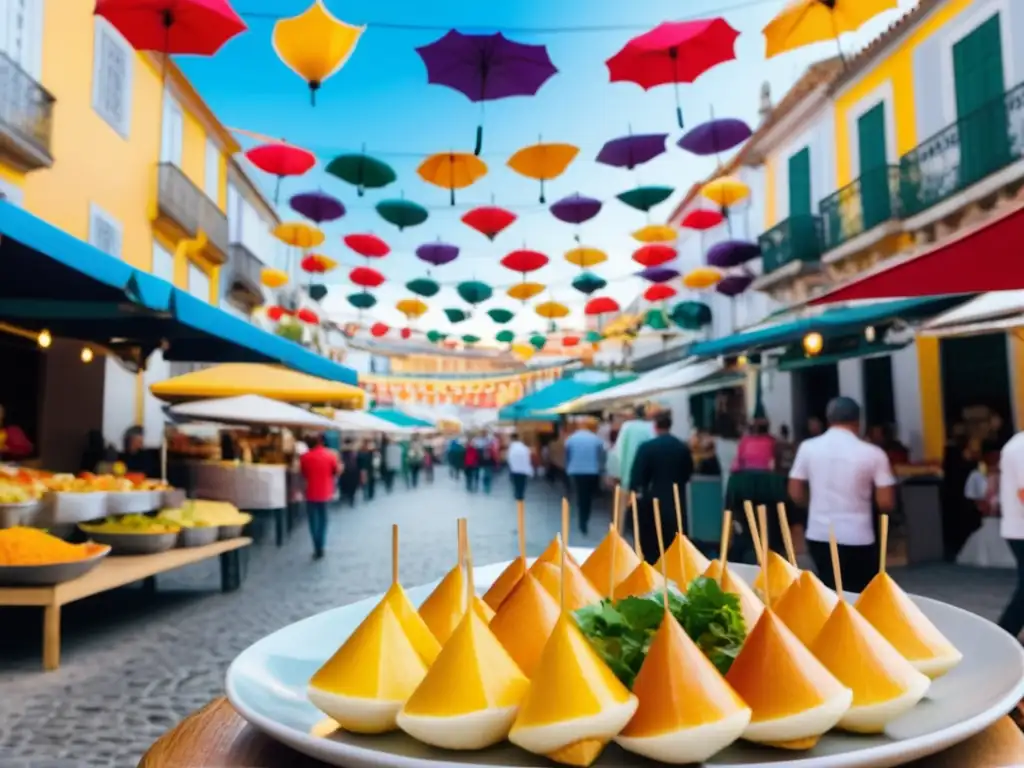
{"x":118,"y":571}
{"x":260,"y":489}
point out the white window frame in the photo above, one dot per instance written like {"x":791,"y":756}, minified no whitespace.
{"x":97,"y":214}
{"x":211,"y":175}
{"x":194,"y":268}
{"x":161,"y":252}
{"x":104,"y":31}
{"x":172,"y":130}
{"x":12,"y":194}
{"x":26,"y":48}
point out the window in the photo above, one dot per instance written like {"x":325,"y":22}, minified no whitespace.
{"x":21,"y":33}
{"x":198,"y":283}
{"x":112,"y":76}
{"x":172,"y":128}
{"x":11,"y":194}
{"x":212,"y":176}
{"x":234,"y":214}
{"x":105,"y":231}
{"x":163,"y":263}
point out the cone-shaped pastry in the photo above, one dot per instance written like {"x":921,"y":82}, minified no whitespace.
{"x":575,"y":704}
{"x":578,"y":590}
{"x":902,"y":623}
{"x":750,"y":604}
{"x":780,"y":575}
{"x":504,"y":584}
{"x":443,"y":609}
{"x":524,"y":622}
{"x":598,"y":567}
{"x":802,"y":699}
{"x":471,"y":694}
{"x":365,"y":683}
{"x":805,"y":607}
{"x":884,"y":684}
{"x":642,"y":581}
{"x":553,"y":554}
{"x":683,"y":562}
{"x":687,"y":711}
{"x":415,"y":627}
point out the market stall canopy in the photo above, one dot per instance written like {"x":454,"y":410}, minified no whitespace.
{"x":400,"y":418}
{"x":988,"y":313}
{"x":668,"y":377}
{"x":362,"y":421}
{"x":277,"y":383}
{"x":251,"y":409}
{"x":54,"y":281}
{"x":541,"y":405}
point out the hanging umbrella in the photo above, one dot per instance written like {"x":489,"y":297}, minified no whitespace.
{"x":500,"y":316}
{"x":524,"y":261}
{"x":584,"y":257}
{"x":314,"y":45}
{"x":405,"y":333}
{"x":317,"y":264}
{"x":588,"y":283}
{"x":570,"y":341}
{"x":423,"y":286}
{"x":725,"y":191}
{"x":379,"y":329}
{"x":537,"y":341}
{"x":551,"y":310}
{"x":645,"y":198}
{"x":437,"y":253}
{"x":486,"y":68}
{"x":656,"y":233}
{"x":435,"y":336}
{"x":456,"y":315}
{"x":318,"y":207}
{"x":411,"y":308}
{"x":658,"y":274}
{"x":656,"y":319}
{"x":366,"y":277}
{"x":523,"y":351}
{"x":594,"y":337}
{"x":543,"y":162}
{"x":654,"y":255}
{"x":299,"y":234}
{"x":576,"y":209}
{"x":192,"y":27}
{"x":470,"y":339}
{"x":674,"y":52}
{"x":452,"y":170}
{"x":601,"y":305}
{"x":525,"y":291}
{"x":702,"y":277}
{"x":368,"y":246}
{"x":402,"y":213}
{"x":361,"y":171}
{"x":474,"y":292}
{"x":732,"y":253}
{"x":317,"y":292}
{"x":505,"y":337}
{"x":715,"y":136}
{"x":805,"y":22}
{"x":702,"y":219}
{"x":273,"y":278}
{"x":488,"y":220}
{"x":630,"y":151}
{"x":308,"y":316}
{"x":362,"y":300}
{"x":691,"y":315}
{"x":659,"y":292}
{"x":281,"y":159}
{"x":276,"y":313}
{"x":734,"y":285}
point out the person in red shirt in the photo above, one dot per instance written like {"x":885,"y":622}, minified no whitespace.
{"x":320,"y":468}
{"x":14,"y":444}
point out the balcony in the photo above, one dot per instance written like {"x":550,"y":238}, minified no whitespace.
{"x":973,"y":148}
{"x":860,"y":207}
{"x":243,"y":286}
{"x":187,"y":207}
{"x":795,"y":240}
{"x":26,"y":118}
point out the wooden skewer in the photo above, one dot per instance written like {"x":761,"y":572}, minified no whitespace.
{"x":636,"y":527}
{"x":565,"y":547}
{"x":521,"y":525}
{"x":615,"y":509}
{"x":661,"y":548}
{"x":611,"y":566}
{"x":762,"y":515}
{"x":462,"y":539}
{"x":883,"y":553}
{"x":837,"y":571}
{"x":470,"y":585}
{"x":723,"y":546}
{"x":748,"y":510}
{"x":679,"y":509}
{"x":394,"y":554}
{"x":787,"y":534}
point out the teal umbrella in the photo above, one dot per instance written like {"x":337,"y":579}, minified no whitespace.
{"x":436,"y":336}
{"x":538,"y":340}
{"x":470,"y":339}
{"x":594,"y":336}
{"x":456,"y":315}
{"x":500,"y":316}
{"x":317,"y":292}
{"x":656,"y":319}
{"x":423,"y":286}
{"x":645,"y":198}
{"x":474,"y":292}
{"x":362,"y":300}
{"x":402,"y":213}
{"x":362,"y":171}
{"x":505,"y":337}
{"x":588,"y":283}
{"x":690,"y":315}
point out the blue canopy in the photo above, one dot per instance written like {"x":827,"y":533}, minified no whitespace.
{"x":535,"y":406}
{"x":399,"y":418}
{"x":49,"y":279}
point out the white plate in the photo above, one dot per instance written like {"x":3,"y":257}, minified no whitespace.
{"x":267,"y":685}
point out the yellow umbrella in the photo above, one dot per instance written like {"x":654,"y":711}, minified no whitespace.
{"x":702,"y":277}
{"x":523,"y":351}
{"x":551,"y":310}
{"x":315,"y":45}
{"x":273,"y":278}
{"x":584,"y":257}
{"x":655,"y":233}
{"x":725,"y":191}
{"x":804,"y":22}
{"x":411,"y":308}
{"x":543,"y":162}
{"x":525,"y":291}
{"x":452,"y":170}
{"x":299,"y":234}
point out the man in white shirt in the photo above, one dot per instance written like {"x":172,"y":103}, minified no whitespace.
{"x":1011,"y":505}
{"x":520,"y":466}
{"x":837,"y":475}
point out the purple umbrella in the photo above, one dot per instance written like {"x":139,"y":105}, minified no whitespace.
{"x":317,"y":206}
{"x":486,"y":67}
{"x":658,"y":274}
{"x":437,"y":253}
{"x":631,"y":151}
{"x":576,"y":209}
{"x":732,"y":253}
{"x":716,"y":136}
{"x":734,"y":285}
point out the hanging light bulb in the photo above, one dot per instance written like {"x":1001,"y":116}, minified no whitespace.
{"x":742,"y":360}
{"x":86,"y":355}
{"x":44,"y":339}
{"x":813,"y":343}
{"x":869,"y":334}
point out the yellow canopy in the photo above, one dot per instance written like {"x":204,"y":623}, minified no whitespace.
{"x":275,"y":382}
{"x":804,"y":22}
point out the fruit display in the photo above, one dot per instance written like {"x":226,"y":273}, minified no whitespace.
{"x":184,"y":518}
{"x":31,"y":546}
{"x":18,"y":486}
{"x":132,"y":524}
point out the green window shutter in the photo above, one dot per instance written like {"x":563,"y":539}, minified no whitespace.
{"x":800,"y":183}
{"x":981,"y":111}
{"x":876,"y":205}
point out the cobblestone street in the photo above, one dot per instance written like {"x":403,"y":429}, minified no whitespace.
{"x":134,"y":664}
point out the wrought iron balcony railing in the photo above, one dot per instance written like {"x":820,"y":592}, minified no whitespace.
{"x":244,"y":269}
{"x":964,"y":153}
{"x":798,"y":238}
{"x":188,"y":206}
{"x":26,"y":116}
{"x":860,"y":206}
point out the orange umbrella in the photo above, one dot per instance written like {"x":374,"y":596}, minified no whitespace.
{"x":452,"y":170}
{"x":543,"y":162}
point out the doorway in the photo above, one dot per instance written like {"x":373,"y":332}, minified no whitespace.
{"x":879,"y":398}
{"x":976,"y":380}
{"x":813,"y":387}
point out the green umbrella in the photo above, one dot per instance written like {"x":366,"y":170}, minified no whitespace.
{"x":317,"y":292}
{"x":505,"y":337}
{"x":423,"y":286}
{"x":474,"y":292}
{"x":588,"y":283}
{"x":362,"y":171}
{"x":456,"y":315}
{"x":645,"y":198}
{"x":362,"y":300}
{"x":594,"y":336}
{"x":470,"y":339}
{"x":500,"y":316}
{"x":436,"y":336}
{"x":402,"y":213}
{"x":691,"y":315}
{"x":538,"y":340}
{"x":656,"y":319}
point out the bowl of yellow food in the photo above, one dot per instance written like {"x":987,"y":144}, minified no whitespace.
{"x":134,"y":534}
{"x":30,"y":557}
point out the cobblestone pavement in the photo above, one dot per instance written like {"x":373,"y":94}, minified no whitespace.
{"x":134,"y":664}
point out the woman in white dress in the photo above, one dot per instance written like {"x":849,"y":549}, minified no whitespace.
{"x":986,"y":548}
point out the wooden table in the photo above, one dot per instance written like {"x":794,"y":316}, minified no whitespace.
{"x":216,"y":737}
{"x":117,"y":571}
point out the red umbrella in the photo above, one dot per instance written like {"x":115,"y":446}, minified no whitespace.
{"x":370,"y":246}
{"x":659,"y":292}
{"x":674,"y":52}
{"x":488,"y":220}
{"x":196,"y":27}
{"x":276,"y":313}
{"x":281,"y":159}
{"x":366,"y":277}
{"x":701,"y":219}
{"x":602,"y":305}
{"x":379,"y":329}
{"x":654,"y":255}
{"x":570,"y":341}
{"x":308,"y":316}
{"x":406,"y":333}
{"x":524,"y":261}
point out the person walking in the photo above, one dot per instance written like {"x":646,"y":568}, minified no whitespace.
{"x":471,"y":465}
{"x":320,"y":469}
{"x":348,"y":484}
{"x":520,"y":466}
{"x":1011,"y":506}
{"x":632,"y":434}
{"x":584,"y":464}
{"x":660,"y":464}
{"x":837,"y":476}
{"x":456,"y":455}
{"x":414,"y":457}
{"x":367,"y":475}
{"x":488,"y":460}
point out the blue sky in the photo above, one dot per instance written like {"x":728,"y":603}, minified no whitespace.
{"x":381,"y":99}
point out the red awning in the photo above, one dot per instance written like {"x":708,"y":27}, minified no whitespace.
{"x":986,"y":257}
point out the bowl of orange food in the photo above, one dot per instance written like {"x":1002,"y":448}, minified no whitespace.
{"x":30,"y":557}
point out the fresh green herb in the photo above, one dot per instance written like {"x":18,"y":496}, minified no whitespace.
{"x":621,"y":632}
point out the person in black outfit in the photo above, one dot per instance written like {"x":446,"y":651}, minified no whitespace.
{"x":660,"y":464}
{"x":135,"y":457}
{"x":365,"y":462}
{"x":348,"y":482}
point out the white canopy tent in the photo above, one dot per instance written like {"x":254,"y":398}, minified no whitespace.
{"x":668,"y":377}
{"x":988,"y":313}
{"x":361,"y":421}
{"x":251,"y":410}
